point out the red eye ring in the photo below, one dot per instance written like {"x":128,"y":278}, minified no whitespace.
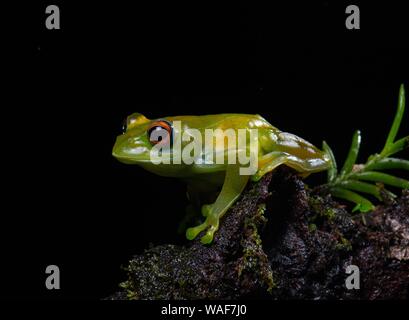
{"x":160,"y":125}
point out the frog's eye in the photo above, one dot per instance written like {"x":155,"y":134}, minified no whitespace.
{"x":160,"y":132}
{"x":133,"y":121}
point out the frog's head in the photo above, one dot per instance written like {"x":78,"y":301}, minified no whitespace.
{"x":138,"y":138}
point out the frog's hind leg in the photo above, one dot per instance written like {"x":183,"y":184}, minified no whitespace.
{"x":268,"y":163}
{"x":233,"y":186}
{"x":272,"y":160}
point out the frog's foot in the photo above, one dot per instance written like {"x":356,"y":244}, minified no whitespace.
{"x":206,"y":210}
{"x":211,"y":224}
{"x":213,"y":227}
{"x":192,"y":233}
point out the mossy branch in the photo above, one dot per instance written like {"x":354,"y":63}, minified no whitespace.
{"x":355,"y":178}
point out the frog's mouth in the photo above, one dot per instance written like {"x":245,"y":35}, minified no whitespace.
{"x":131,"y":150}
{"x":129,"y":154}
{"x":129,"y":159}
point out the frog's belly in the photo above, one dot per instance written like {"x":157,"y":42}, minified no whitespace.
{"x":183,"y":170}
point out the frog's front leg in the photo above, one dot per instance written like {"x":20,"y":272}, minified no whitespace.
{"x":233,"y":186}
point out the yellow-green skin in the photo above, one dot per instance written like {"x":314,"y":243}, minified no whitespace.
{"x":274,"y":148}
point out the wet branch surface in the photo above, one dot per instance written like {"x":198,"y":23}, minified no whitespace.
{"x":282,"y":241}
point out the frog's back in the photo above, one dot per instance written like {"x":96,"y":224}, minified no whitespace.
{"x":224,"y":121}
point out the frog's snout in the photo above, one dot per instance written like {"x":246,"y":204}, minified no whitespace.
{"x":127,"y":150}
{"x":116,"y":149}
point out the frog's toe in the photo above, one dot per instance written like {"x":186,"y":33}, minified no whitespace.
{"x":208,"y":237}
{"x":192,"y":233}
{"x":206,"y":210}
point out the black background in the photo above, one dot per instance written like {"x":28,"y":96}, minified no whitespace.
{"x":68,"y":202}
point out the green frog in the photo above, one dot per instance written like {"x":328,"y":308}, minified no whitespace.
{"x":176,"y":147}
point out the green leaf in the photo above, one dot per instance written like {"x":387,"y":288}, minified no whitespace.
{"x":381,"y":177}
{"x":397,"y":146}
{"x":362,"y":204}
{"x":352,"y":154}
{"x":388,"y":163}
{"x":361,"y":187}
{"x":332,"y":171}
{"x":396,"y":122}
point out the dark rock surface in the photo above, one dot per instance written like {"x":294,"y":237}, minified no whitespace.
{"x":282,"y":241}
